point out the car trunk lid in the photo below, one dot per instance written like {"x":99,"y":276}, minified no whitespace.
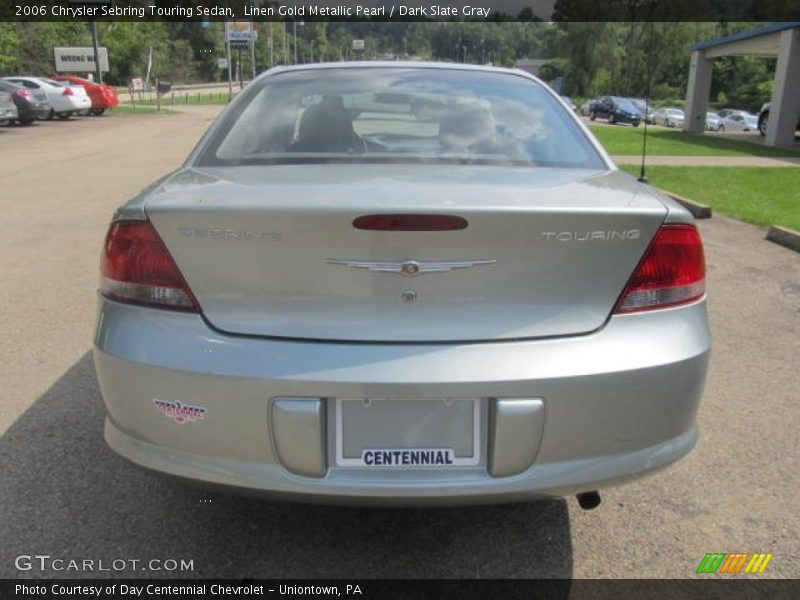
{"x":273,"y":251}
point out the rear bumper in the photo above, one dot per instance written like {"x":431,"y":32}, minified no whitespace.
{"x":626,"y":119}
{"x":39,"y":110}
{"x":618,"y":403}
{"x":68,"y":104}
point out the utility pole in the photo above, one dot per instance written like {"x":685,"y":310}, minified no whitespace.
{"x":98,"y":72}
{"x":294,"y":36}
{"x":285,"y":46}
{"x":239,"y":69}
{"x":228,"y":54}
{"x":253,"y":47}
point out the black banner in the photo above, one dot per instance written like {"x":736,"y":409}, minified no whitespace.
{"x":403,"y":589}
{"x":401,"y":10}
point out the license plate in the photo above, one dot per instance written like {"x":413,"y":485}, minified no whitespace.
{"x":407,"y":434}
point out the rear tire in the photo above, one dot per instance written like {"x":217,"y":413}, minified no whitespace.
{"x":64,"y":116}
{"x":592,"y":116}
{"x":612,"y":120}
{"x":666,"y":123}
{"x":721,"y":128}
{"x":762,"y":125}
{"x":98,"y":111}
{"x":24,"y":121}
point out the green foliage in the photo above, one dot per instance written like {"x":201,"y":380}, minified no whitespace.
{"x":761,"y":195}
{"x":9,"y":47}
{"x":593,"y":57}
{"x":672,"y":142}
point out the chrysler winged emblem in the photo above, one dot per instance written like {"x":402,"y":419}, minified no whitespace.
{"x":410,"y":267}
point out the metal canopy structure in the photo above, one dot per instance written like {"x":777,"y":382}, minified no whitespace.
{"x":779,"y":40}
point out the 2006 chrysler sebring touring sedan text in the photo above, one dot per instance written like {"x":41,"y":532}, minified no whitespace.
{"x":401,"y":282}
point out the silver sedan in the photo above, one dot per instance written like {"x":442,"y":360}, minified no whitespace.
{"x":329,"y":303}
{"x":668,"y":117}
{"x":739,"y":122}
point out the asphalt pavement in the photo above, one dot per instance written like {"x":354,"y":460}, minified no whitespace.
{"x":64,"y":494}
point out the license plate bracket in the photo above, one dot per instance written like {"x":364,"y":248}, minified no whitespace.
{"x":387,"y":433}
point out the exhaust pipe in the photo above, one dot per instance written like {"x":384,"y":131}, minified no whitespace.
{"x":589,"y":500}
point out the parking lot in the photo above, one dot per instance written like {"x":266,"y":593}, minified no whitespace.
{"x":63,"y":493}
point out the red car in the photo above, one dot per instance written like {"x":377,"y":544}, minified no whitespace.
{"x":102,"y":96}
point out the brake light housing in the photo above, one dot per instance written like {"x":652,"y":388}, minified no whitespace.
{"x":137,"y":268}
{"x":672,"y":272}
{"x":67,"y":92}
{"x":410,"y":222}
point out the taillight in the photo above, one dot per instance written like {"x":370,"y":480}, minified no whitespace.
{"x":672,"y":272}
{"x":67,"y":92}
{"x":138,"y":268}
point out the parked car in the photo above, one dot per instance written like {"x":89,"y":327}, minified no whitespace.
{"x":65,"y":100}
{"x":728,"y":112}
{"x":714,"y":122}
{"x":668,"y":117}
{"x":31,"y":104}
{"x":481,"y":333}
{"x":739,"y":122}
{"x":103,"y":97}
{"x":763,"y":119}
{"x":644,"y":107}
{"x":586,"y":107}
{"x":616,"y":110}
{"x":570,"y":103}
{"x":8,"y":110}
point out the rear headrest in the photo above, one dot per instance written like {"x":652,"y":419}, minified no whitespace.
{"x":325,"y":127}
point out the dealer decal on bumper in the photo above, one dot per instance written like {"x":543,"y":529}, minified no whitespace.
{"x":180,"y":413}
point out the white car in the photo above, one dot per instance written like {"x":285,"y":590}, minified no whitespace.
{"x":65,"y":99}
{"x":739,"y":122}
{"x":714,"y":122}
{"x":668,"y":117}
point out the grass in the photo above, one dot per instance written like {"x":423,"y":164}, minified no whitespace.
{"x":126,"y":109}
{"x":181,"y":98}
{"x":761,"y":195}
{"x":669,"y":142}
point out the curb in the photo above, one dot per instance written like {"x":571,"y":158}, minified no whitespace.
{"x":789,"y":238}
{"x":699,"y":211}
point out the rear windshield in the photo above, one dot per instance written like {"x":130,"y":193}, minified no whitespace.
{"x":398,"y":115}
{"x":625,"y":104}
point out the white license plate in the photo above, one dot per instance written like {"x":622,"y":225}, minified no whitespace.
{"x":379,"y":433}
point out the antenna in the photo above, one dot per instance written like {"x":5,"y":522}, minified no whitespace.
{"x":642,"y":175}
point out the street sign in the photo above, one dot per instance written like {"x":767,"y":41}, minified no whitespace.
{"x":240,"y":34}
{"x":222,"y":63}
{"x":69,"y":59}
{"x":163,"y":87}
{"x":137,"y":83}
{"x":358,"y":44}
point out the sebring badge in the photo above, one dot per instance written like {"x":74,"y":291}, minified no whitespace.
{"x":410,"y":267}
